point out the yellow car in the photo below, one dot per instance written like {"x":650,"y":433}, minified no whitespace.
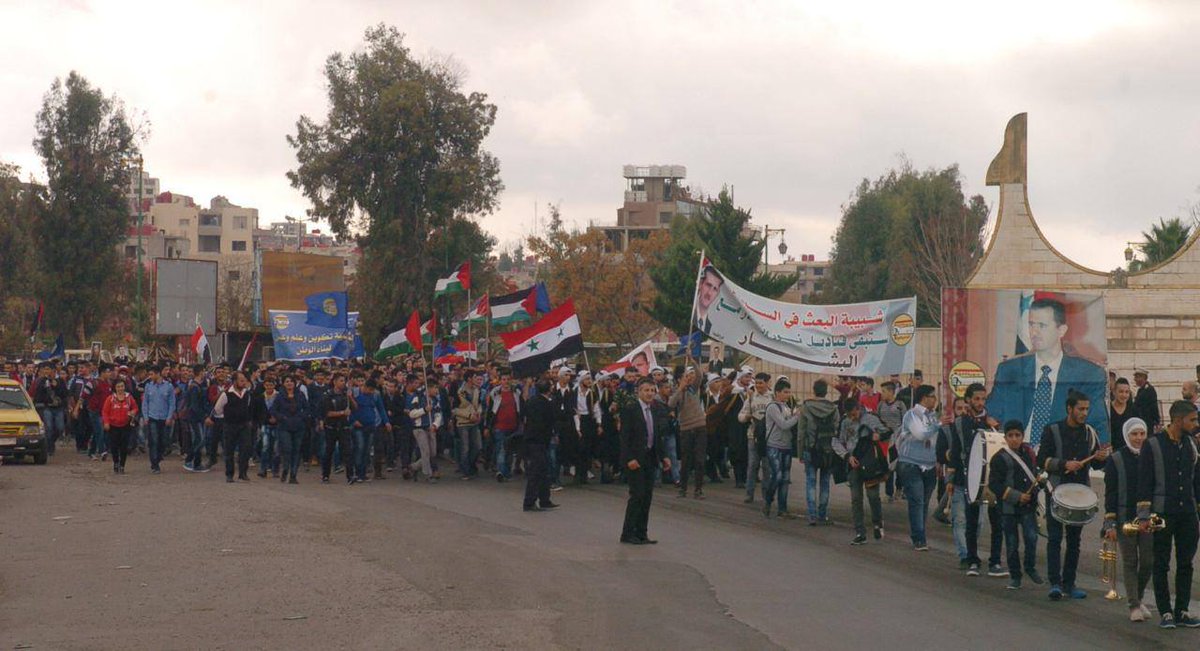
{"x":21,"y":429}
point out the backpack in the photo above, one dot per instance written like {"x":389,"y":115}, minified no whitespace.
{"x":825,"y":428}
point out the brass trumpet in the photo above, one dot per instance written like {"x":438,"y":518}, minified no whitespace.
{"x":1156,"y":524}
{"x":1108,"y":568}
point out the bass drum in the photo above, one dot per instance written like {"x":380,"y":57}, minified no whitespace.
{"x":983,"y":448}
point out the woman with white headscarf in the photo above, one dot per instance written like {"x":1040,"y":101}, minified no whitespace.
{"x":1120,"y":506}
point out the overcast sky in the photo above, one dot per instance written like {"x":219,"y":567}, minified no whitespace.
{"x":792,"y":103}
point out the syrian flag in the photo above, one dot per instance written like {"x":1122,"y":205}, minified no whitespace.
{"x":557,"y":335}
{"x":408,"y":339}
{"x":477,"y":314}
{"x":465,"y":348}
{"x":515,"y":307}
{"x":200,"y":346}
{"x":456,"y":282}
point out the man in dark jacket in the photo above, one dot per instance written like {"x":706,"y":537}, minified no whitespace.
{"x":1145,"y":403}
{"x":539,"y":428}
{"x":642,"y":426}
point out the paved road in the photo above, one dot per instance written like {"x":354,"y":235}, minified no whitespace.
{"x":180,"y":561}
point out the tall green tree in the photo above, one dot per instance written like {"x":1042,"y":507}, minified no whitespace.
{"x":20,"y":204}
{"x":723,"y":232}
{"x":1163,"y":240}
{"x":906,"y":233}
{"x":399,"y":156}
{"x":462,"y":240}
{"x":86,"y":142}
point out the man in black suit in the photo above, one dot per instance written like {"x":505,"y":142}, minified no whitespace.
{"x":1033,"y":387}
{"x":539,"y":428}
{"x":1145,"y":403}
{"x":642,"y":426}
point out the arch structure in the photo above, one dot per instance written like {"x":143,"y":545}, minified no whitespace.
{"x":1152,"y":314}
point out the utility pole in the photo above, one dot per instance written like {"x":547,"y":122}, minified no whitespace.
{"x":767,"y":233}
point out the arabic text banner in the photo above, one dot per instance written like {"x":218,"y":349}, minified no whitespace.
{"x":861,"y":339}
{"x":295,"y":340}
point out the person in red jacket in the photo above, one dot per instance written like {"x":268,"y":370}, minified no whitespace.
{"x":119,"y":415}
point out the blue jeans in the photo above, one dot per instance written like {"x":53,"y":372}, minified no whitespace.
{"x":156,"y":440}
{"x":289,"y":449}
{"x":779,"y":475}
{"x":361,"y":437}
{"x":818,"y":503}
{"x":54,"y":420}
{"x":552,"y":456}
{"x":1026,"y":523}
{"x":267,"y":461}
{"x":958,"y":522}
{"x":918,"y":486}
{"x":99,"y":443}
{"x":672,"y":445}
{"x":500,"y":443}
{"x":468,"y":449}
{"x":200,"y":435}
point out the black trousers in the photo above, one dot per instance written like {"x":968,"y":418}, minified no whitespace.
{"x":637,"y":509}
{"x":1182,"y":530}
{"x":537,"y":477}
{"x":338,"y":431}
{"x":240,"y":437}
{"x":118,"y":444}
{"x":588,"y":440}
{"x":214,"y":441}
{"x":997,"y":532}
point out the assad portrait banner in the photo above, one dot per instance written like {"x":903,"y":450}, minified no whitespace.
{"x":1032,"y":350}
{"x":862,"y":339}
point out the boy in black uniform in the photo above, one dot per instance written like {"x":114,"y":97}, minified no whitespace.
{"x":1012,"y":481}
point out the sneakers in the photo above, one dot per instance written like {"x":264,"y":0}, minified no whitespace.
{"x":749,"y":499}
{"x":699,"y":494}
{"x":997,"y":570}
{"x":1037,"y":578}
{"x":1014,"y":584}
{"x":920,"y":547}
{"x":554,"y":488}
{"x":860,"y":539}
{"x":766,"y":510}
{"x":188,"y":467}
{"x":1136,"y":614}
{"x":1167,"y":621}
{"x":973,"y":569}
{"x":878,"y":533}
{"x":1076,"y":593}
{"x":1187,"y":620}
{"x":1056,"y":594}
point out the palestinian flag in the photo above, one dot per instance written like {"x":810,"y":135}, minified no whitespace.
{"x":456,"y":282}
{"x":200,"y":346}
{"x":557,"y":335}
{"x":408,"y":339}
{"x":478,"y":313}
{"x":39,"y":315}
{"x":515,"y":307}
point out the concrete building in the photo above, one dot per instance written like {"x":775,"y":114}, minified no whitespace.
{"x":654,"y":194}
{"x":223,"y":232}
{"x":156,"y":243}
{"x":810,"y":275}
{"x":149,"y":189}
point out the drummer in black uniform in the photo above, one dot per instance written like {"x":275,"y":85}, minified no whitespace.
{"x":1069,"y":447}
{"x":1012,"y":479}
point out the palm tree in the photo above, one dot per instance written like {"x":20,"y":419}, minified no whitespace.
{"x":1163,"y":241}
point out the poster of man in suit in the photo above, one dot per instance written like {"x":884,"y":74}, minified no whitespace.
{"x":1034,"y":348}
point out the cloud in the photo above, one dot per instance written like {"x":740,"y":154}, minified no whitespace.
{"x":790,"y":103}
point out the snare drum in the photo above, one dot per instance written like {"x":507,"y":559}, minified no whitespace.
{"x":1074,"y":504}
{"x":983,"y":448}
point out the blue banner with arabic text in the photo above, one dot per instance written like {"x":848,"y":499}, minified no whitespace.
{"x":296,"y":340}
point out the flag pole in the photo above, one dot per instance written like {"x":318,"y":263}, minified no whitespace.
{"x":470,"y":306}
{"x":687,"y":343}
